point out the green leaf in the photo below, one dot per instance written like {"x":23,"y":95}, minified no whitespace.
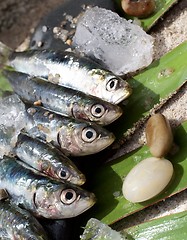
{"x":107,"y":184}
{"x":161,"y":7}
{"x":158,"y":81}
{"x":172,"y":227}
{"x":4,"y":84}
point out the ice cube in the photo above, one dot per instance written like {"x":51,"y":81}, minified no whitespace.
{"x":96,"y":230}
{"x":6,"y":134}
{"x":12,"y":121}
{"x":119,"y":44}
{"x":12,"y":111}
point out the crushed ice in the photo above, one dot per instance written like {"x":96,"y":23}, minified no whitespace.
{"x":118,"y":44}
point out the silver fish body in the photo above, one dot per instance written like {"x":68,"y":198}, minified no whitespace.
{"x":16,"y":224}
{"x":72,"y":71}
{"x":74,"y":137}
{"x":63,"y":100}
{"x":47,"y":159}
{"x":40,"y":195}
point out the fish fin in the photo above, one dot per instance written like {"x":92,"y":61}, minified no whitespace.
{"x":5,"y":52}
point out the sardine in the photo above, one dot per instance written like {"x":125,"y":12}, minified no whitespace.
{"x":17,"y":223}
{"x":62,"y":100}
{"x":47,"y":159}
{"x":74,"y":137}
{"x":72,"y":71}
{"x":41,"y":195}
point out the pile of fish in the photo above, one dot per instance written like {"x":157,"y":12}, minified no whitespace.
{"x":67,"y":100}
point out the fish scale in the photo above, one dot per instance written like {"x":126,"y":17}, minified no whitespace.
{"x":16,"y":223}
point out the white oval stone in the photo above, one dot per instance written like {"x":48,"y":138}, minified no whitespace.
{"x":147,"y":179}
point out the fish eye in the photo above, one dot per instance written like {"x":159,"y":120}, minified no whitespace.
{"x":89,"y":134}
{"x":97,"y":110}
{"x":112,"y":84}
{"x":63,"y":174}
{"x":68,"y":196}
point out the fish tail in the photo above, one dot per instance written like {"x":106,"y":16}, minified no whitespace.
{"x":5,"y":52}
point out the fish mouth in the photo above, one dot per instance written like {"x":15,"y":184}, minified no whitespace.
{"x":123,"y":94}
{"x":105,"y":142}
{"x":108,"y":141}
{"x":78,"y":181}
{"x":123,"y":97}
{"x":114,"y":115}
{"x":82,"y":179}
{"x":87,"y":203}
{"x":91,"y":200}
{"x":111,"y":115}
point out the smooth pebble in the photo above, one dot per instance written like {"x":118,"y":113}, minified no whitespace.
{"x":138,"y":8}
{"x":159,"y":135}
{"x":147,"y":179}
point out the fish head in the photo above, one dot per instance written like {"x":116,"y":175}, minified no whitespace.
{"x":102,"y":112}
{"x":109,"y":87}
{"x":65,"y":170}
{"x":84,"y":138}
{"x":62,"y":200}
{"x":73,"y":175}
